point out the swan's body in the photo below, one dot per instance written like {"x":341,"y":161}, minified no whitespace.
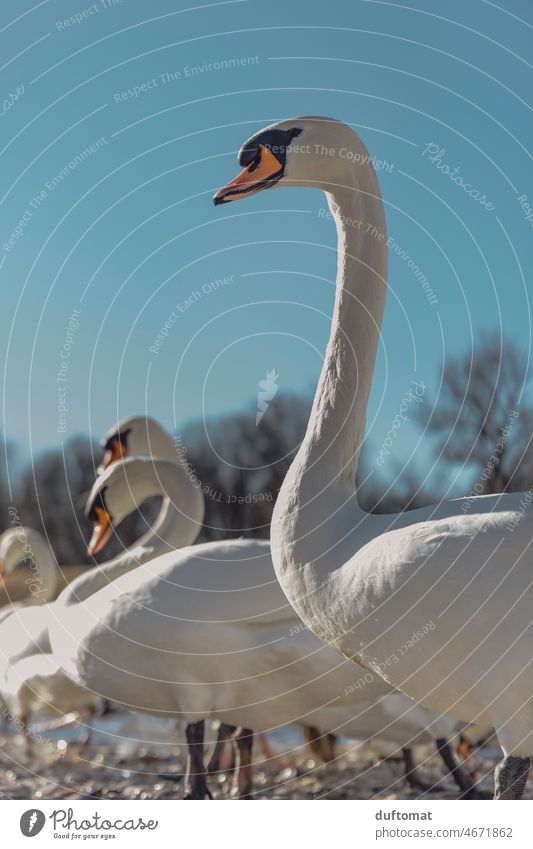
{"x":411,"y":576}
{"x":363,"y":583}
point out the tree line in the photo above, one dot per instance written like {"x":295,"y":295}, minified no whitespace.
{"x":479,"y":427}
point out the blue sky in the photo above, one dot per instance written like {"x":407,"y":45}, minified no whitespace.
{"x":129,"y":232}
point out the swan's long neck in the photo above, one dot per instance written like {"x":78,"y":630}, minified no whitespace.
{"x":171,"y":530}
{"x":319,"y":489}
{"x":337,"y":422}
{"x":177,"y":524}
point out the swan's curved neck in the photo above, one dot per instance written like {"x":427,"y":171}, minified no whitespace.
{"x":165,"y":532}
{"x":336,"y":426}
{"x":171,"y":530}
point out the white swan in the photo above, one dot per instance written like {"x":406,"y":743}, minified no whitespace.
{"x":206,"y":632}
{"x":364,"y":582}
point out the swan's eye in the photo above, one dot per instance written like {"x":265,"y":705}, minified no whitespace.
{"x":115,"y":449}
{"x":119,"y":436}
{"x":255,"y":164}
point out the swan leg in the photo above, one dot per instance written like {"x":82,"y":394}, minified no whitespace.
{"x":330,"y":747}
{"x":25,"y":731}
{"x":216,"y":761}
{"x":91,"y":713}
{"x":244,"y":740}
{"x":463,"y":781}
{"x":411,"y":774}
{"x":195,"y":780}
{"x":321,"y":746}
{"x":107,"y":708}
{"x":510,"y":777}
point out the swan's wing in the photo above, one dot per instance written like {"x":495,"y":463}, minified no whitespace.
{"x":24,"y":633}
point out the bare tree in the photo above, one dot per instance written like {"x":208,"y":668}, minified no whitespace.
{"x":481,"y":417}
{"x":241,"y":465}
{"x":401,"y":490}
{"x":51,"y":494}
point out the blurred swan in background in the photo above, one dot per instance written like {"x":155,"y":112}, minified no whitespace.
{"x":20,"y":544}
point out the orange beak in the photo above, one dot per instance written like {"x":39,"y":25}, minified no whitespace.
{"x":116,"y":452}
{"x":261,"y":174}
{"x":102,"y":532}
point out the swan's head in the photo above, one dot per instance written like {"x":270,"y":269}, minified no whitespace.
{"x":306,"y":151}
{"x":121,"y":490}
{"x":134,"y":437}
{"x":18,"y":544}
